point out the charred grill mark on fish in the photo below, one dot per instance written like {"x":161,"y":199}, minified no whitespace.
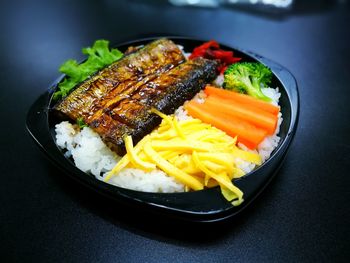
{"x":134,"y":111}
{"x":120,"y":78}
{"x":111,"y":132}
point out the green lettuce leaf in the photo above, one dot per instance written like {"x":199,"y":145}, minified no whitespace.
{"x":81,"y":123}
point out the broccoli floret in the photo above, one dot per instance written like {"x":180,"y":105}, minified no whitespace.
{"x":248,"y":77}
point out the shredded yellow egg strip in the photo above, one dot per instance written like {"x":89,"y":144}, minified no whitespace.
{"x":194,"y":153}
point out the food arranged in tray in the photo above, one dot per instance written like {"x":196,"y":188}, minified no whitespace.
{"x":159,"y":118}
{"x":185,"y":128}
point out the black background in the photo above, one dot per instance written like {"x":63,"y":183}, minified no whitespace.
{"x":303,"y":216}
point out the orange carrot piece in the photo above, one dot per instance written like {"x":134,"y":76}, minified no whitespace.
{"x":247,"y":112}
{"x":241,"y":98}
{"x":246,"y":133}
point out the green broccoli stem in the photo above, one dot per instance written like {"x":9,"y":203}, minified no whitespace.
{"x":255,"y":91}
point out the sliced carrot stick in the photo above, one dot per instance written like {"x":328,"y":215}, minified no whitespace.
{"x":247,"y":112}
{"x":241,"y":98}
{"x":247,"y":134}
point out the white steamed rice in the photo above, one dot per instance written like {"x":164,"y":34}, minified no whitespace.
{"x":91,"y":155}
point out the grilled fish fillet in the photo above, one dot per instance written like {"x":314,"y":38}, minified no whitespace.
{"x":120,"y":79}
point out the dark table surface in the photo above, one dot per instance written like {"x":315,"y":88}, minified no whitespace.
{"x":302,"y":216}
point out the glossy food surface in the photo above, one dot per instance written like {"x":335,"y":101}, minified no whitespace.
{"x":302,"y":216}
{"x":198,"y":206}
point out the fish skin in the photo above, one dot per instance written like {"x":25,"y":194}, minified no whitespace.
{"x":118,"y":80}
